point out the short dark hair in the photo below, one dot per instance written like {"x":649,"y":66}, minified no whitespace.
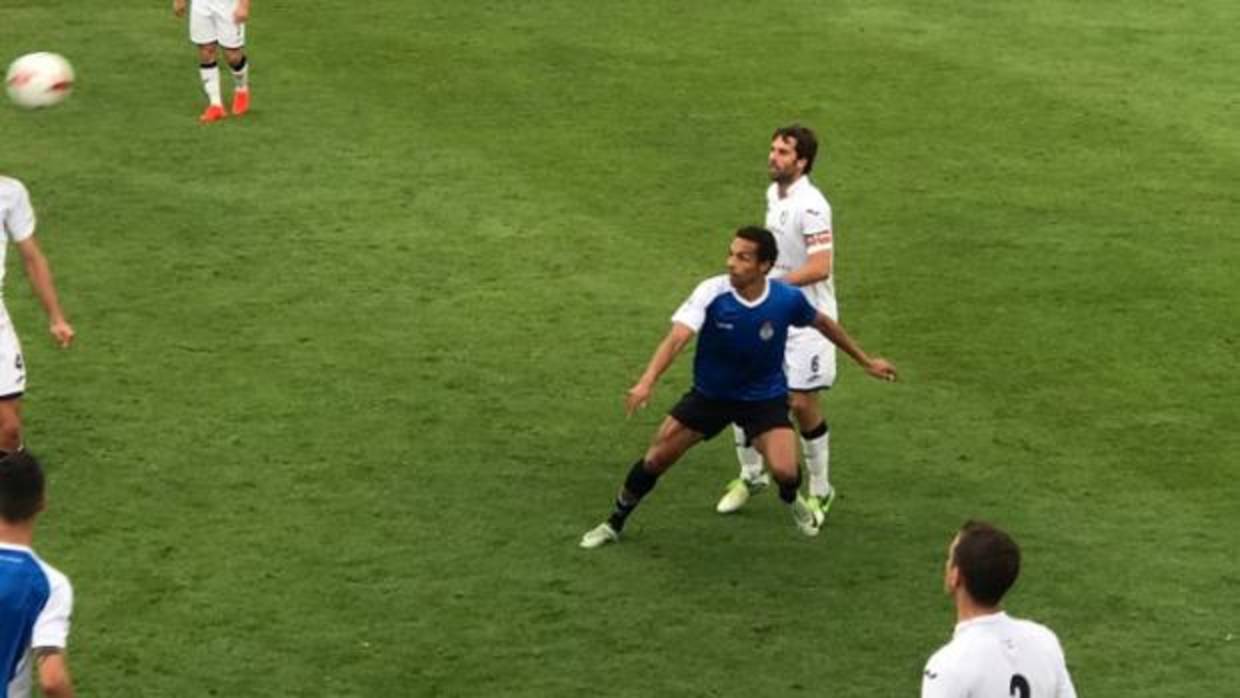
{"x":988,"y":560}
{"x":21,"y":487}
{"x":805,"y":140}
{"x":768,"y":251}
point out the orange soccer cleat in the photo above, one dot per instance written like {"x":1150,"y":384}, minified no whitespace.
{"x":241,"y":102}
{"x":215,"y":112}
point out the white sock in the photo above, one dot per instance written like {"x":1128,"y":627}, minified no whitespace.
{"x":751,"y":460}
{"x":241,"y":76}
{"x":817,"y":463}
{"x":211,"y":82}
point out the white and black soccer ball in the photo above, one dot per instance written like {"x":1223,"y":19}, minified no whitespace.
{"x":39,"y":80}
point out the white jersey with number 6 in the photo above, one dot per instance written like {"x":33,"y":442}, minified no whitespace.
{"x":997,"y":655}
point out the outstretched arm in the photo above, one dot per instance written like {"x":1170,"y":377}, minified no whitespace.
{"x":877,"y":367}
{"x":39,"y":272}
{"x":671,"y":346}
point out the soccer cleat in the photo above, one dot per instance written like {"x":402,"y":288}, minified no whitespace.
{"x":599,"y":536}
{"x":213,"y":113}
{"x":821,"y":506}
{"x":804,"y":516}
{"x":739,"y":491}
{"x":241,"y":102}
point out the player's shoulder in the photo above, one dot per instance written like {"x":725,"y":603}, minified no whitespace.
{"x":10,"y":185}
{"x":712,"y":288}
{"x":1037,"y":632}
{"x":56,"y":578}
{"x":783,"y":289}
{"x":809,"y":195}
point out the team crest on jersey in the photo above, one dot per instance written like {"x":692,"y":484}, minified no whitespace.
{"x":766,"y":331}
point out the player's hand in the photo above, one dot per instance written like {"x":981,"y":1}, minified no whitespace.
{"x":242,"y":14}
{"x":178,"y":8}
{"x":881,"y":369}
{"x":62,"y":332}
{"x":637,"y":398}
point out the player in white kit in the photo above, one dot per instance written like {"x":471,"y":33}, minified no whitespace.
{"x":992,"y":653}
{"x":214,"y":23}
{"x":800,"y":217}
{"x":17,"y":223}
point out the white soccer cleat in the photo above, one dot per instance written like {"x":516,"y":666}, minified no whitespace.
{"x":804,"y":516}
{"x":739,"y":491}
{"x":599,"y":536}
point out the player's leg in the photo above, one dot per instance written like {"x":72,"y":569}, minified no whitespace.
{"x":10,"y":423}
{"x":12,"y":386}
{"x":691,"y":420}
{"x":752,"y":478}
{"x":779,"y":447}
{"x":232,"y":38}
{"x":209,"y":71}
{"x":240,"y":66}
{"x":203,"y":33}
{"x":811,"y":370}
{"x":771,"y":432}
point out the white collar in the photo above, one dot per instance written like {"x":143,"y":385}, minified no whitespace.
{"x":766,"y":291}
{"x":996,"y":617}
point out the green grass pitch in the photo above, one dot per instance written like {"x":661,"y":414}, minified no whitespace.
{"x":348,"y":381}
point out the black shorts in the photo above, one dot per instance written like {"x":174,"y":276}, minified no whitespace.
{"x":708,"y":416}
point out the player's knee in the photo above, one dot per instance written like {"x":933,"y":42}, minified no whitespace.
{"x":10,"y":435}
{"x":235,"y":56}
{"x":206,"y":53}
{"x":805,"y":408}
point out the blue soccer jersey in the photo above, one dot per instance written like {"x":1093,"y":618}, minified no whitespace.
{"x":35,"y":604}
{"x":740,"y":346}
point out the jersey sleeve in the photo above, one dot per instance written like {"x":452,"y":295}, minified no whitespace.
{"x":1064,"y":687}
{"x":938,"y":680}
{"x":18,"y":218}
{"x":51,"y":629}
{"x":816,"y":225}
{"x":692,"y":313}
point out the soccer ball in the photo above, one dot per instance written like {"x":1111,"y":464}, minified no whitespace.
{"x":39,"y":80}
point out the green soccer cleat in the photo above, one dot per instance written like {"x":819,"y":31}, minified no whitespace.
{"x":803,"y":514}
{"x":599,"y":536}
{"x":821,"y":506}
{"x":739,"y":491}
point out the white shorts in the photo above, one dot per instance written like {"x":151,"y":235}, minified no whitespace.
{"x":12,"y":366}
{"x":809,"y":360}
{"x":211,"y":22}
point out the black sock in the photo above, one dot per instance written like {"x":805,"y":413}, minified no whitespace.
{"x":208,"y":66}
{"x":815,"y":432}
{"x":637,"y":484}
{"x":239,"y":66}
{"x":788,"y":490}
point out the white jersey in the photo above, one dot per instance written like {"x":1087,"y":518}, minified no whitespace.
{"x":51,"y":627}
{"x":16,"y":219}
{"x":801,"y":222}
{"x":997,"y":655}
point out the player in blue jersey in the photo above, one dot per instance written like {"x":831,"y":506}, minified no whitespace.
{"x":35,"y":599}
{"x":742,"y":322}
